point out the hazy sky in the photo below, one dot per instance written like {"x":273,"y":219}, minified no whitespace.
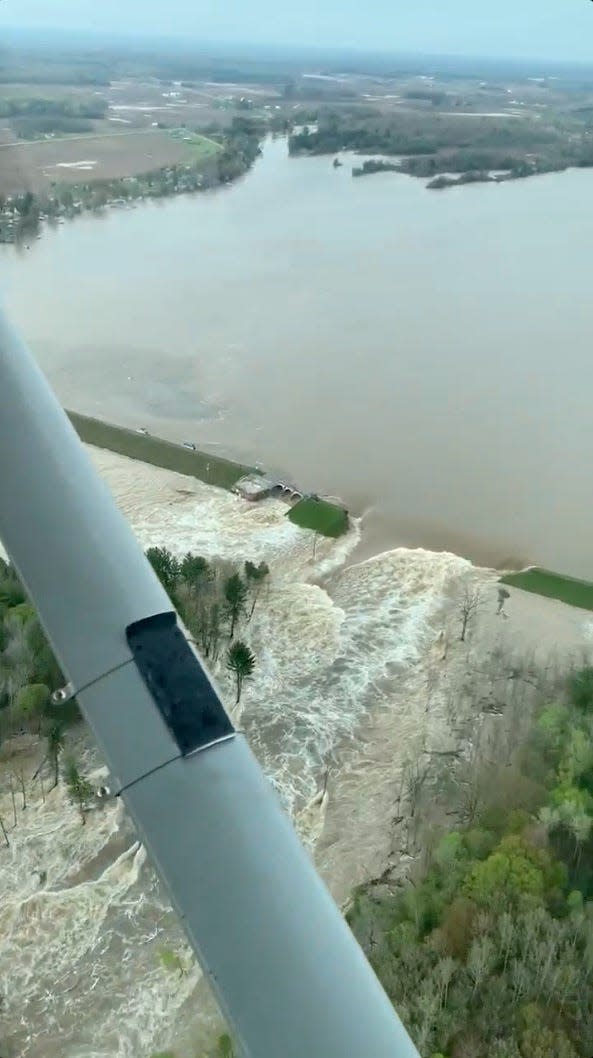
{"x":560,"y":29}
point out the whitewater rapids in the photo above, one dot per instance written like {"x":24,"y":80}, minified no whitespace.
{"x":337,"y":703}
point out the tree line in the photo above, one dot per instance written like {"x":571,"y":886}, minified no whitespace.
{"x":29,"y":675}
{"x":433,"y":143}
{"x":37,"y":106}
{"x":33,"y":116}
{"x":215,"y":602}
{"x":489,"y":954}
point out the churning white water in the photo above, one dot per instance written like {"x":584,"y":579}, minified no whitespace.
{"x":82,"y":917}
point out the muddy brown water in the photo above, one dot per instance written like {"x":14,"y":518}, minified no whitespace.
{"x":425,"y":356}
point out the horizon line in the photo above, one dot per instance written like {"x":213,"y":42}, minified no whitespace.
{"x":131,"y":37}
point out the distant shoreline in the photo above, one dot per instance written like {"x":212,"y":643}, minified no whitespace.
{"x":23,"y":214}
{"x":445,"y":180}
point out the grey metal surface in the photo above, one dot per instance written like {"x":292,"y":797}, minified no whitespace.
{"x":129,"y":731}
{"x":288,"y":974}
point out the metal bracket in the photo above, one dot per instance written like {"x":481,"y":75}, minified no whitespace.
{"x":63,"y":694}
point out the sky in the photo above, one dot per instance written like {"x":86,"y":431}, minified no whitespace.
{"x":541,"y":29}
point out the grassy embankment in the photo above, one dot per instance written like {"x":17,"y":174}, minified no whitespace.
{"x":320,"y":516}
{"x":310,"y":513}
{"x":213,"y":470}
{"x":553,"y":586}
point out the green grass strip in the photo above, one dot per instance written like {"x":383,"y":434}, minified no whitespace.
{"x":553,"y":586}
{"x":213,"y":470}
{"x":319,"y":515}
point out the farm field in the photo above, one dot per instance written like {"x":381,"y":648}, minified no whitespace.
{"x":75,"y":159}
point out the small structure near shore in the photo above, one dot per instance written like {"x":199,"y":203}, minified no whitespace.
{"x":284,"y":491}
{"x":257,"y":486}
{"x":307,"y":511}
{"x":254,"y":487}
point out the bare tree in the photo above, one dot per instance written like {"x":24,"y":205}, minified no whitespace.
{"x":255,"y":577}
{"x":13,"y":800}
{"x":20,"y":775}
{"x":3,"y":829}
{"x":80,"y":789}
{"x":431,"y":684}
{"x":468,"y":780}
{"x":415,"y":771}
{"x":241,"y":662}
{"x":412,"y":778}
{"x":469,"y":605}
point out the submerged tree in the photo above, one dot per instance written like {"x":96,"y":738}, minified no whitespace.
{"x":80,"y":790}
{"x":193,"y":569}
{"x":503,"y":595}
{"x":241,"y":662}
{"x":55,"y":745}
{"x":210,"y":628}
{"x":171,"y":961}
{"x":255,"y":577}
{"x":165,"y":565}
{"x":235,"y":600}
{"x":468,"y":608}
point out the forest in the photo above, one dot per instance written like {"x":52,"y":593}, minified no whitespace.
{"x":31,"y":117}
{"x":487,"y":951}
{"x":429,"y":142}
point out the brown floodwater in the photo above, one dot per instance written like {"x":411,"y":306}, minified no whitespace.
{"x":425,"y":356}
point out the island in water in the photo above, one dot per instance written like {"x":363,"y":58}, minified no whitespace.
{"x":108,"y":130}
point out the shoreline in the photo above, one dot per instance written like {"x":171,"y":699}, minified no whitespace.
{"x":19,"y":224}
{"x":24,"y":213}
{"x":186,"y":458}
{"x":476,"y":531}
{"x":221,"y":472}
{"x":444,"y":179}
{"x":439,"y":178}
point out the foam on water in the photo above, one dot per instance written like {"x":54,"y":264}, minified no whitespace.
{"x":330,"y":649}
{"x":79,"y":958}
{"x":186,"y":515}
{"x":79,"y":965}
